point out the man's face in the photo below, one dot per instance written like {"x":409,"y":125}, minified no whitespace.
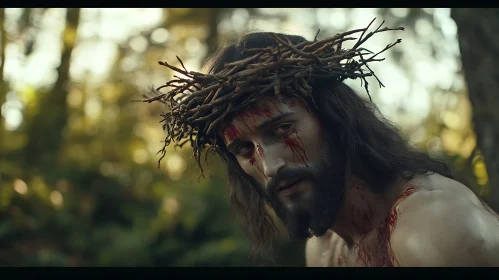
{"x":281,"y":146}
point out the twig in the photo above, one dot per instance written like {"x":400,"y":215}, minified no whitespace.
{"x":200,"y":103}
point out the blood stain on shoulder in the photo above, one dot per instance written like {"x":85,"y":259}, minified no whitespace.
{"x":392,"y":218}
{"x":377,"y":251}
{"x":391,"y":221}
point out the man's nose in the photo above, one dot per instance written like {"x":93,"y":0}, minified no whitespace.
{"x":272,"y":163}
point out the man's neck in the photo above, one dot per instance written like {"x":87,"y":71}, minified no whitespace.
{"x":363,"y":210}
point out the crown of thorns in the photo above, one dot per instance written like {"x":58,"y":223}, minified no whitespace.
{"x":199,"y":102}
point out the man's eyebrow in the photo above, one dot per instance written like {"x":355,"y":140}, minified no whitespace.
{"x":261,"y":126}
{"x":273,"y":120}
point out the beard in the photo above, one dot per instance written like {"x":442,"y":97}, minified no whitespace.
{"x":315,"y":212}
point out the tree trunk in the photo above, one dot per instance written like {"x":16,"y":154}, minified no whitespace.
{"x":3,"y":84}
{"x":45,"y":132}
{"x":479,"y":46}
{"x":214,"y":18}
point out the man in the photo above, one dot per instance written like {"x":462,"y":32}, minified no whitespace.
{"x":297,"y":139}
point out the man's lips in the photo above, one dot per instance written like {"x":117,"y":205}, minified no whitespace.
{"x":288,"y":185}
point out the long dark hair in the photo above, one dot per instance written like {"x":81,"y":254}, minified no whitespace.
{"x":374,"y":149}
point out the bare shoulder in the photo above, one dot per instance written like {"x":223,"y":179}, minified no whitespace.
{"x":319,"y":250}
{"x":444,"y":223}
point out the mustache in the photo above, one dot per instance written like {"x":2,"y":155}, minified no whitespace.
{"x":288,"y":174}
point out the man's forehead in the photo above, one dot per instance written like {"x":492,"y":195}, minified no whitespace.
{"x":261,"y":110}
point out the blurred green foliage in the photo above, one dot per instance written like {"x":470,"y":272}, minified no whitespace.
{"x":80,"y":186}
{"x":79,"y":181}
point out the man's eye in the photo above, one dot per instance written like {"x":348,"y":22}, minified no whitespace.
{"x":283,"y":128}
{"x":244,"y":150}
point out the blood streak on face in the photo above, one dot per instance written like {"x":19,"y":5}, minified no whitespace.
{"x":259,"y":149}
{"x":253,"y":162}
{"x":231,"y":132}
{"x":249,"y":116}
{"x":252,"y":113}
{"x":296,"y":145}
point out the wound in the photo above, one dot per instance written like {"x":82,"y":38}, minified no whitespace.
{"x":392,"y":218}
{"x":244,"y":118}
{"x":391,"y":221}
{"x":250,"y":115}
{"x":378,"y":252}
{"x":231,"y":132}
{"x":259,"y":149}
{"x":253,"y":163}
{"x":296,"y":145}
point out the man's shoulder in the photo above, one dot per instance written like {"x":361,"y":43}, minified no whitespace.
{"x":438,"y":220}
{"x":433,"y":192}
{"x":437,"y":199}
